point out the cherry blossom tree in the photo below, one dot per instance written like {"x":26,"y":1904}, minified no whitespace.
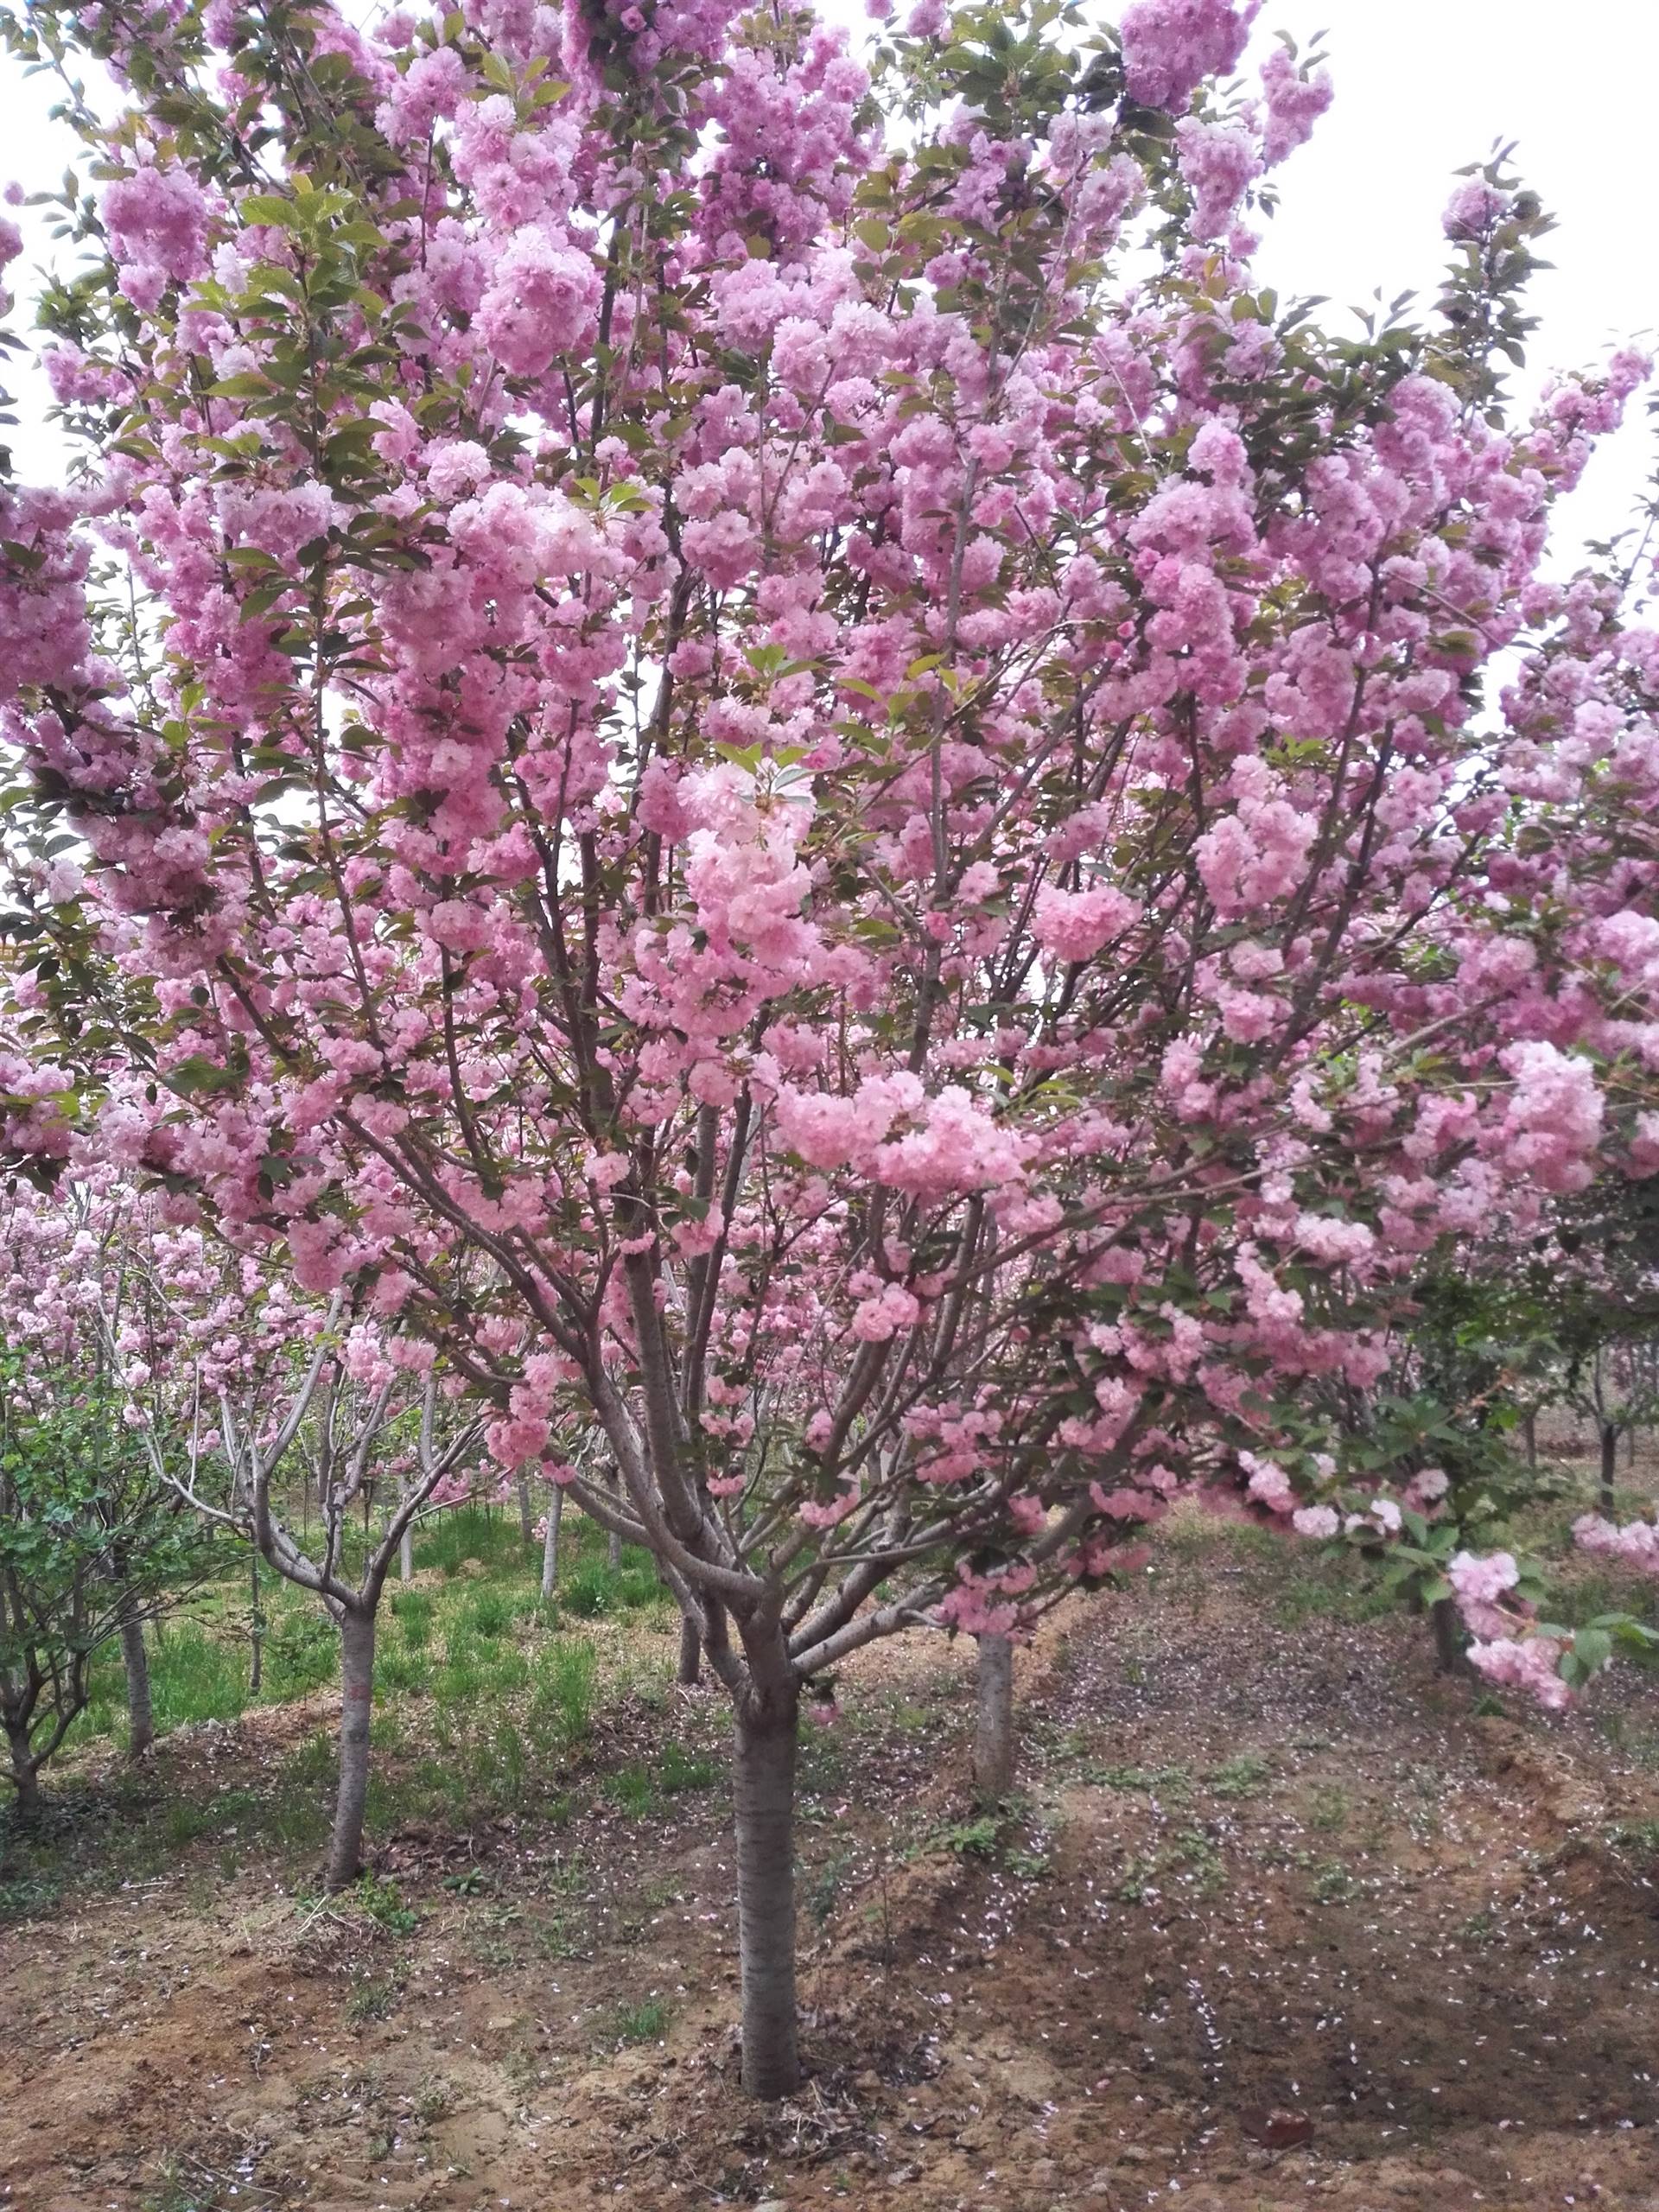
{"x":347,"y":1393}
{"x":157,"y":1371}
{"x":790,"y":772}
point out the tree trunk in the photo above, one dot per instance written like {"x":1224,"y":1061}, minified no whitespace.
{"x":993,"y":1719}
{"x":256,"y":1629}
{"x":613,"y":1484}
{"x":1629,"y":1445}
{"x":550,"y":1542}
{"x":141,"y":1724}
{"x":25,"y":1780}
{"x":1447,"y":1625}
{"x":767,"y":1731}
{"x":406,"y":1554}
{"x":526,"y":1519}
{"x":1608,"y":1466}
{"x":1529,"y":1430}
{"x":356,"y":1704}
{"x":690,"y":1667}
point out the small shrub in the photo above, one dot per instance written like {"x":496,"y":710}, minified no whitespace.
{"x":969,"y":1839}
{"x":1242,"y":1777}
{"x":383,"y":1901}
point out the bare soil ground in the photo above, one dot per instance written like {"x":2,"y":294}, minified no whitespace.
{"x":1281,"y":1919}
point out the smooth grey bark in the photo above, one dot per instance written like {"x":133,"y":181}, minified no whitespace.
{"x":993,"y":1719}
{"x":526,"y":1519}
{"x":550,"y":1542}
{"x":690,"y":1667}
{"x":766,"y":1732}
{"x":135,"y":1660}
{"x":1608,"y":1466}
{"x":1446,"y":1624}
{"x":356,"y":1707}
{"x":406,"y":1556}
{"x":615,"y":1554}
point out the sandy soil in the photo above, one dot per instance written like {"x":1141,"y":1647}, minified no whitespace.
{"x":1283,"y":1920}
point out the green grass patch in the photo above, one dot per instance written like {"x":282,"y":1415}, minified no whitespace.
{"x":413,"y":1611}
{"x":631,"y":1788}
{"x":679,"y":1769}
{"x":641,"y":2023}
{"x":1245,"y":1776}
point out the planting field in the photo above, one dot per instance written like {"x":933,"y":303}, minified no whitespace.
{"x":1279,"y":1916}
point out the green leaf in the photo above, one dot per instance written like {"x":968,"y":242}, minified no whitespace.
{"x":265,"y":208}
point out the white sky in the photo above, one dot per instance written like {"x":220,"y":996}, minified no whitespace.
{"x":1422,"y":87}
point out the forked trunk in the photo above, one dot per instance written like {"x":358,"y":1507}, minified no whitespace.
{"x":994,"y":1720}
{"x":768,"y":1731}
{"x":1608,"y":1466}
{"x":551,"y":1543}
{"x":141,"y":1724}
{"x":690,"y":1666}
{"x":356,"y":1705}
